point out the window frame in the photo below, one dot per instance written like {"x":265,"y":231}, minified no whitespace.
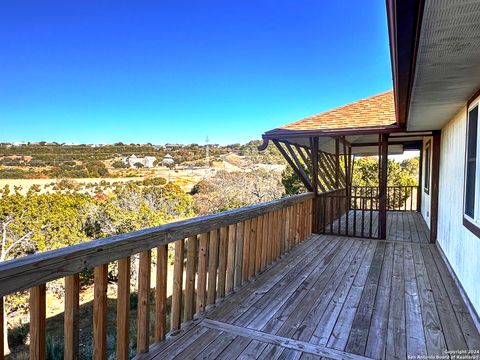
{"x":472,"y":224}
{"x":427,"y":167}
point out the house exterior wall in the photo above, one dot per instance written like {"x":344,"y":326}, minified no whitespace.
{"x":426,"y":196}
{"x":460,"y":246}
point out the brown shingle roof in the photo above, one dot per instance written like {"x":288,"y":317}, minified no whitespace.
{"x":376,"y":110}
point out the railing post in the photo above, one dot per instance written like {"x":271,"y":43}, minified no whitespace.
{"x":383,"y":168}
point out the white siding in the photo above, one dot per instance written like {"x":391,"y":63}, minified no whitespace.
{"x":426,"y":197}
{"x":461,"y":247}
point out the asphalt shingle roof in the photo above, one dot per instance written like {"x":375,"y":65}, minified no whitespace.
{"x":376,"y":110}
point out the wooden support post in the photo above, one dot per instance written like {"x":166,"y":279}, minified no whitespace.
{"x":143,"y":309}
{"x":435,"y":182}
{"x":382,"y":181}
{"x":337,"y":164}
{"x":71,"y":318}
{"x":123,"y":309}
{"x":100,"y":312}
{"x":161,"y":293}
{"x":314,"y":148}
{"x":420,"y":180}
{"x":37,"y":322}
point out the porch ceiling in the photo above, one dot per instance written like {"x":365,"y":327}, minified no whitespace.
{"x":447,"y":70}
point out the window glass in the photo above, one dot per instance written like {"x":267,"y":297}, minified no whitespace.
{"x":427,"y":169}
{"x":471,"y":162}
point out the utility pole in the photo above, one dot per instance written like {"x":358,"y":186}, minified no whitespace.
{"x":207,"y":151}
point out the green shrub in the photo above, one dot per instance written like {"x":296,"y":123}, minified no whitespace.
{"x":54,"y":349}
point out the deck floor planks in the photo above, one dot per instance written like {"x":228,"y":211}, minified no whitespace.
{"x":451,"y":328}
{"x":258,"y":315}
{"x":381,"y":299}
{"x":312,"y":283}
{"x":405,"y":226}
{"x":378,"y":327}
{"x":415,"y":335}
{"x":357,"y":340}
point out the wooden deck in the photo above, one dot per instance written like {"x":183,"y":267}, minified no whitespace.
{"x":339,"y":298}
{"x":406,"y":226}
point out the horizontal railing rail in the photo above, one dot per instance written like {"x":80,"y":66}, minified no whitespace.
{"x":213,"y":255}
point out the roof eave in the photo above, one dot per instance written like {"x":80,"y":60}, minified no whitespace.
{"x":404,"y":23}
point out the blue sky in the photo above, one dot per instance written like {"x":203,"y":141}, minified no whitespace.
{"x":177,"y":71}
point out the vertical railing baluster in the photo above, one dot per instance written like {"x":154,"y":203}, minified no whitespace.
{"x":143,"y":306}
{"x":177,"y":290}
{"x":230,"y":276}
{"x":212,"y":266}
{"x":123,"y":309}
{"x":71,"y":317}
{"x":161,"y":293}
{"x":37,"y":322}
{"x":222,"y":262}
{"x":190,"y":277}
{"x":202,"y":273}
{"x":100,"y":312}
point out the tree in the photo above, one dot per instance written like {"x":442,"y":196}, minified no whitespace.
{"x":229,"y":190}
{"x":10,"y":243}
{"x":291,"y":182}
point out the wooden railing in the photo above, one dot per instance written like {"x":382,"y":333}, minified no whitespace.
{"x":399,"y":198}
{"x":214,"y":255}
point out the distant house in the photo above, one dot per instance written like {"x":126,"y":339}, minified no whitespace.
{"x":147,"y":161}
{"x":168,"y":160}
{"x":173,"y":146}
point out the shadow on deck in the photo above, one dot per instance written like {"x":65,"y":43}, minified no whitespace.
{"x":339,"y":298}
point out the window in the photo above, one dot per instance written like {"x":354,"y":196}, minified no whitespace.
{"x":426,"y":184}
{"x":471,"y":166}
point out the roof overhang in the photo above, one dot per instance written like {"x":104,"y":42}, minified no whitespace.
{"x":404,"y":22}
{"x":362,"y":144}
{"x":435,"y":50}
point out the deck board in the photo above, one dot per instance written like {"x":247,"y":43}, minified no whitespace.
{"x":335,"y":297}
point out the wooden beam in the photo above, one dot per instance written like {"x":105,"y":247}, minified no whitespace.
{"x":298,"y":163}
{"x":297,"y":345}
{"x":383,"y":177}
{"x":435,"y":182}
{"x":299,"y":171}
{"x":282,"y":134}
{"x":321,"y":181}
